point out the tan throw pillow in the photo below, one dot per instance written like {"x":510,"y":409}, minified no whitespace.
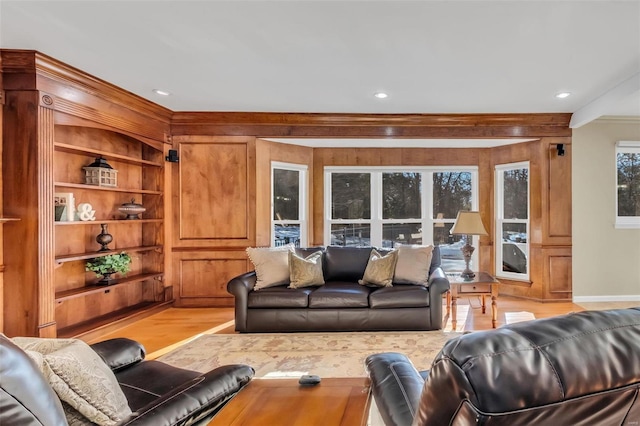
{"x":271,"y":265}
{"x":305,"y":272}
{"x":413,"y":264}
{"x":79,"y":377}
{"x":379,"y":271}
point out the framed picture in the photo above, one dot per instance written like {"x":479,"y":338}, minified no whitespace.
{"x":64,"y":206}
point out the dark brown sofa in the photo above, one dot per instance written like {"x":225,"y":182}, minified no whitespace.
{"x":576,"y":369}
{"x":157,"y":393}
{"x":341,"y":304}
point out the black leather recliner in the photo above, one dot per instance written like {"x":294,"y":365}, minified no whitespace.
{"x":157,"y":393}
{"x":575,"y":369}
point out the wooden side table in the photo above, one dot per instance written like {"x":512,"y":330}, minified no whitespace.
{"x":274,"y":402}
{"x":483,"y":284}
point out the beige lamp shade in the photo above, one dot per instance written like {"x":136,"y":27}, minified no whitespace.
{"x":469,"y":223}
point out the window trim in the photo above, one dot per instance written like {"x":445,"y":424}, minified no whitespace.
{"x":624,"y":222}
{"x":499,"y":219}
{"x":427,"y":220}
{"x":303,"y":211}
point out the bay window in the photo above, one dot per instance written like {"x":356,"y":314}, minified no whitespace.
{"x":385,"y":206}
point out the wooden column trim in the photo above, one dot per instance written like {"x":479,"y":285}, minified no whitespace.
{"x":46,"y":293}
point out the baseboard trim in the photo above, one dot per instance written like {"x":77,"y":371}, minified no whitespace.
{"x":623,"y":298}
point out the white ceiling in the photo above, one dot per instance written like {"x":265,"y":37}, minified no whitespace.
{"x":451,"y":56}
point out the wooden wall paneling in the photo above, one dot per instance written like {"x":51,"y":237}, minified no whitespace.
{"x":487,"y":209}
{"x":214,"y":192}
{"x":263,"y":193}
{"x":203,"y":276}
{"x":558,"y":273}
{"x":27,"y":177}
{"x":556,"y":196}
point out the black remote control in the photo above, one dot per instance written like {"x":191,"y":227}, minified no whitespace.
{"x":309,"y":380}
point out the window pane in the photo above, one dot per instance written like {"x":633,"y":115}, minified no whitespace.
{"x":450,"y":245}
{"x":628,"y":184}
{"x":451,"y":193}
{"x":286,"y":189}
{"x":514,"y":247}
{"x":352,"y":234}
{"x":516,"y":194}
{"x":401,"y":195}
{"x":286,"y":234}
{"x":351,"y":196}
{"x":403,"y":233}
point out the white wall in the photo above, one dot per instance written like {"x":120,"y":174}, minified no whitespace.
{"x":606,"y":260}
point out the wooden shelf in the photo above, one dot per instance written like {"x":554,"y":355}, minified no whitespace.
{"x":8,"y":219}
{"x":81,"y":256}
{"x":112,"y":321}
{"x":94,"y":288}
{"x":110,"y":221}
{"x":105,"y":188}
{"x":105,"y":154}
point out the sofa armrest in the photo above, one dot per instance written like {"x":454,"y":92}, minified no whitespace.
{"x":195,"y":400}
{"x":438,"y":282}
{"x":240,"y":287}
{"x":119,"y":353}
{"x":396,"y":387}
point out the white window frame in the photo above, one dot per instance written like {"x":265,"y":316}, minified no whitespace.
{"x":500,"y":220}
{"x":376,"y":222}
{"x":625,"y":147}
{"x":303,"y":217}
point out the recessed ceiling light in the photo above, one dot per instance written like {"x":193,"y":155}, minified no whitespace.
{"x":562,"y":95}
{"x":161,"y":92}
{"x":380,"y":95}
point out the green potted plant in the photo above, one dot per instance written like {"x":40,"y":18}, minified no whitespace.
{"x":105,"y":266}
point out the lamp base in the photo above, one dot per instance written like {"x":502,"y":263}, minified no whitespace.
{"x":468,"y":274}
{"x":467,"y":250}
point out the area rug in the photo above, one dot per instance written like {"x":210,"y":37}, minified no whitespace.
{"x":294,"y":354}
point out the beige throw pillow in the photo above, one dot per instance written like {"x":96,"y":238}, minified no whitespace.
{"x":305,"y":272}
{"x":271,"y":265}
{"x":413,"y":264}
{"x":380,"y":269}
{"x":79,"y":377}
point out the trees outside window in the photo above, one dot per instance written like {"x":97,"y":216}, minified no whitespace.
{"x":628,"y":185}
{"x":288,"y":204}
{"x":512,"y":220}
{"x":387,"y":206}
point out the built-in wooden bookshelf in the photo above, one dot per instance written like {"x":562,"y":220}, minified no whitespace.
{"x":79,"y":301}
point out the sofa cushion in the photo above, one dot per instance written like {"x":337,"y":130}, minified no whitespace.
{"x":279,"y":297}
{"x":25,"y":395}
{"x":80,"y":378}
{"x":305,"y":272}
{"x":340,"y":294}
{"x":379,"y":270}
{"x":399,"y":296}
{"x":345,"y":263}
{"x":271,"y":265}
{"x":413,"y":264}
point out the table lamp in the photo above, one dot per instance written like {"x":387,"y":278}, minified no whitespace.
{"x":468,"y":223}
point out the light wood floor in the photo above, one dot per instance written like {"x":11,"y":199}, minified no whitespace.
{"x":166,"y":330}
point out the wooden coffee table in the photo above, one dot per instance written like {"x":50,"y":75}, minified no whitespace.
{"x":335,"y":401}
{"x":483,"y":284}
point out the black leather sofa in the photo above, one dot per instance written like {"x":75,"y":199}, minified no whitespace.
{"x":341,"y":304}
{"x":157,"y":393}
{"x":576,"y":369}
